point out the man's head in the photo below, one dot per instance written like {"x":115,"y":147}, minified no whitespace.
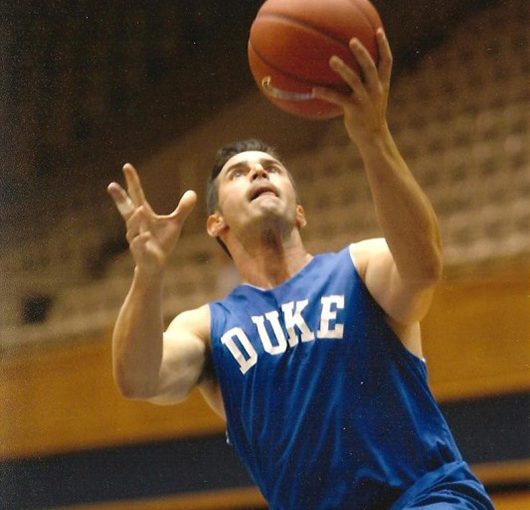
{"x":223,"y":155}
{"x":242,"y":169}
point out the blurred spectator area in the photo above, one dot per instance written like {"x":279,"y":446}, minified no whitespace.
{"x":459,"y":112}
{"x":460,"y":117}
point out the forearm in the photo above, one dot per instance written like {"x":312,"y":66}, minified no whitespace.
{"x":137,"y":343}
{"x":403,"y":211}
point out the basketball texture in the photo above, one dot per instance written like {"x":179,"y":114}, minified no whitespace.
{"x":291,"y":42}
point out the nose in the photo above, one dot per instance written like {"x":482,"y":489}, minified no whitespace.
{"x":258,"y":172}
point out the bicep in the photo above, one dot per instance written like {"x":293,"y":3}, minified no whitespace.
{"x":184,"y":356}
{"x":404,"y":302}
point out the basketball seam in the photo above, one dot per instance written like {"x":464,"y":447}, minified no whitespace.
{"x":289,"y":74}
{"x":304,"y":24}
{"x":363,"y":13}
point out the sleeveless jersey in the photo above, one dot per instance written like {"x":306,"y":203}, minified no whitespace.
{"x":325,"y":406}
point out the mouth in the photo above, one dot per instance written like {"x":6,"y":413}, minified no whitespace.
{"x":261,"y":191}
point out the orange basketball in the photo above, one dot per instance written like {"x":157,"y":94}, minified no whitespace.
{"x":291,"y":42}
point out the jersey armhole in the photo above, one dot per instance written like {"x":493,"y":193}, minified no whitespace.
{"x":416,"y":358}
{"x":224,"y":388}
{"x":352,"y":258}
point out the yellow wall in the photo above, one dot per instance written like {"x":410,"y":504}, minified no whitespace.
{"x":61,"y":397}
{"x":241,"y":499}
{"x":476,"y":336}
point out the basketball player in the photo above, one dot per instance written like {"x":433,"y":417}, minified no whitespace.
{"x":315,"y":361}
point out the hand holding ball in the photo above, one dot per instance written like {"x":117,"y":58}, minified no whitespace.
{"x":292,"y":41}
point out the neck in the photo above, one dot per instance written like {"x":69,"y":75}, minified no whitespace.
{"x":270,"y":261}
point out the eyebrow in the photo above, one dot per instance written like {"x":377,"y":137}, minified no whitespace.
{"x":245,"y":164}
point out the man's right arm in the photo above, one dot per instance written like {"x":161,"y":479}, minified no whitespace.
{"x":153,"y":365}
{"x":149,"y":364}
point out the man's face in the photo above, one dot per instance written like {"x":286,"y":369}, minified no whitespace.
{"x":254,"y":187}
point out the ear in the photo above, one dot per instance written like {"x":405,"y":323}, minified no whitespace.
{"x":215,"y":224}
{"x":301,"y":220}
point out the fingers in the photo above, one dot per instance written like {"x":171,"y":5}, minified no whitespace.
{"x":128,"y":201}
{"x":385,"y":56}
{"x":134,"y":186}
{"x":352,"y":79}
{"x":332,"y":96}
{"x":366,"y":63}
{"x":138,"y":223}
{"x":142,"y":222}
{"x":185,"y":206}
{"x":123,"y":202}
{"x":348,"y":75}
{"x":371,"y":75}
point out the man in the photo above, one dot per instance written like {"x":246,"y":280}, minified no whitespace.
{"x":315,"y":362}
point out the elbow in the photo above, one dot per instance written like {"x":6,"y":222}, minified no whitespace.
{"x":130,"y":392}
{"x":430,"y":275}
{"x":428,"y":271}
{"x":433,"y":272}
{"x":151,"y":390}
{"x":431,"y":265}
{"x":435,"y":268}
{"x":132,"y":389}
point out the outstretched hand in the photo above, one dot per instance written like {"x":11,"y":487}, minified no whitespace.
{"x":152,"y":237}
{"x":365,"y":108}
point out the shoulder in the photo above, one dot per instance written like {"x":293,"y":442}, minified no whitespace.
{"x":362,"y":252}
{"x":370,"y":245}
{"x":195,"y":322}
{"x":403,"y":300}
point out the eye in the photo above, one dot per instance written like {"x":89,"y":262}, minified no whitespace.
{"x":238,"y":172}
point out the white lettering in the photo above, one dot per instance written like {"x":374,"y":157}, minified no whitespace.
{"x":293,"y":317}
{"x":328,"y":315}
{"x":241,"y":348}
{"x":272,"y":317}
{"x":245,"y":362}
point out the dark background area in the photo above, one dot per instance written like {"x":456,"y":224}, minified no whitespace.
{"x":191,"y":465}
{"x":82,"y":82}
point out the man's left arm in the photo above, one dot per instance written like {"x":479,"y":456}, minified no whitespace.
{"x":402,"y":270}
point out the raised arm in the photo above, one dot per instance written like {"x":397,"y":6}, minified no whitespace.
{"x":149,"y":364}
{"x":401,"y":272}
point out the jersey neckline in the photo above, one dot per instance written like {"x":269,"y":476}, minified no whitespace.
{"x":296,"y":275}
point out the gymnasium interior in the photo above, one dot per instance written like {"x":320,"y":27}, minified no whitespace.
{"x":87,"y":86}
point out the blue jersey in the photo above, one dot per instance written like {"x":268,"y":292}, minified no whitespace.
{"x":325,"y":406}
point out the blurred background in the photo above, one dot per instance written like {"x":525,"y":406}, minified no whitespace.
{"x":86,"y":86}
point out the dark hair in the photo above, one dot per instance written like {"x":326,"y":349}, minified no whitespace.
{"x":223,"y":155}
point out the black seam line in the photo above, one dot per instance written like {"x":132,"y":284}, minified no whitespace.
{"x":363,"y":13}
{"x":304,"y":24}
{"x":289,"y":74}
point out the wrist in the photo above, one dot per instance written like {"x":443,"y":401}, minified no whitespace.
{"x":148,"y":278}
{"x":375,"y":138}
{"x":376,"y":144}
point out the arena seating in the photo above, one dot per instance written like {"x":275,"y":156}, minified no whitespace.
{"x":460,"y":117}
{"x":461,"y":121}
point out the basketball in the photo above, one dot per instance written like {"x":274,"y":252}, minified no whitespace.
{"x":291,"y":42}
